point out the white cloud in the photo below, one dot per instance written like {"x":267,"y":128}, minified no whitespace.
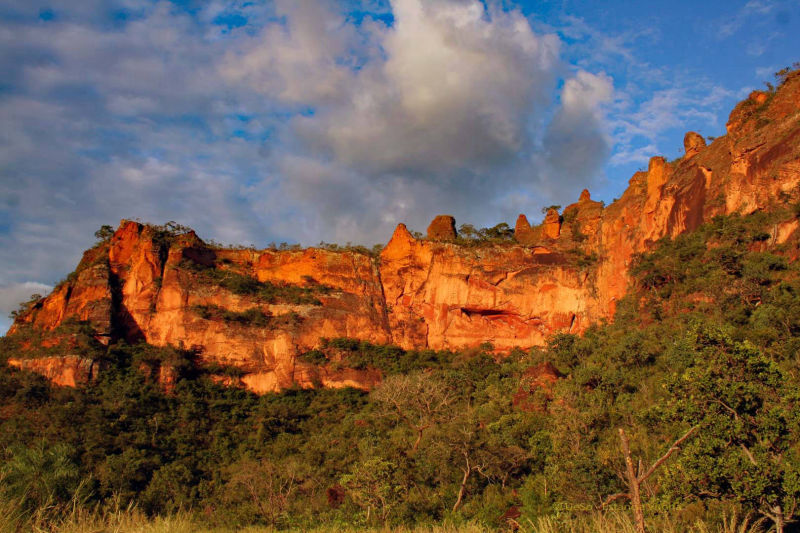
{"x":302,"y":125}
{"x":302,"y":61}
{"x":739,"y":18}
{"x":439,"y":112}
{"x":446,"y":86}
{"x":576,"y":140}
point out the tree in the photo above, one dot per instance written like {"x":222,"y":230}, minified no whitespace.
{"x":418,"y":400}
{"x":372,"y":485}
{"x":462,"y":442}
{"x":267,"y":485}
{"x":104,"y":233}
{"x":634,"y":478}
{"x":467,"y":231}
{"x":501,"y":232}
{"x":43,"y":478}
{"x":23,"y":307}
{"x":748,"y":410}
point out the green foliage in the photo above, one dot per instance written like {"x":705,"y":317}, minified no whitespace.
{"x":25,"y":306}
{"x":374,"y":251}
{"x":104,"y":233}
{"x":581,"y":258}
{"x":373,"y":486}
{"x":42,"y":478}
{"x":783,"y":74}
{"x":708,"y":336}
{"x":263,"y":291}
{"x":251,"y":317}
{"x":747,"y":412}
{"x":71,"y":337}
{"x":389,"y":358}
{"x":468,"y":235}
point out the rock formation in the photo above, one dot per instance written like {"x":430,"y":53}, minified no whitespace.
{"x":442,"y":228}
{"x":523,"y":233}
{"x":692,"y":144}
{"x":552,"y":224}
{"x":562,"y":276}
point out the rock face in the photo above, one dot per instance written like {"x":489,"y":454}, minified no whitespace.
{"x":692,"y":144}
{"x":67,"y":371}
{"x":524,"y":233}
{"x":561,"y":276}
{"x":552,"y":224}
{"x":442,"y":228}
{"x":448,"y":296}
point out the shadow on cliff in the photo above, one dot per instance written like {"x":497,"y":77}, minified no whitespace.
{"x":123,"y":325}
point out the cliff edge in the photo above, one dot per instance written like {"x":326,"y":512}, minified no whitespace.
{"x":260,"y":310}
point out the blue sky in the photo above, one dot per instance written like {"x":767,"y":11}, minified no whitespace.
{"x":256,"y":122}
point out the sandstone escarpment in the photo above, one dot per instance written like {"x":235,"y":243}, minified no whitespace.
{"x":444,"y":295}
{"x":170,"y":288}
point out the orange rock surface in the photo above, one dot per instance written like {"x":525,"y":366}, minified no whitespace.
{"x":442,"y":228}
{"x":560,"y":276}
{"x":67,"y":371}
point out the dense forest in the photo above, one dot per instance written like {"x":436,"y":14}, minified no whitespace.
{"x":683,"y":411}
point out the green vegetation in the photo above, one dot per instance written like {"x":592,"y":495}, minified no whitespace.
{"x":263,"y":291}
{"x":253,"y":317}
{"x":781,"y":76}
{"x":375,"y":251}
{"x":104,"y":233}
{"x":547,"y":208}
{"x":73,"y":337}
{"x":703,"y":348}
{"x":25,"y":306}
{"x":390,"y":359}
{"x":468,"y":235}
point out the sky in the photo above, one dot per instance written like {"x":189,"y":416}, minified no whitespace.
{"x":324,"y":120}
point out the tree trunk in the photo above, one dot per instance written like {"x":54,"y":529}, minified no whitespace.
{"x":419,"y":439}
{"x":633,"y":484}
{"x":778,"y":518}
{"x":463,"y":487}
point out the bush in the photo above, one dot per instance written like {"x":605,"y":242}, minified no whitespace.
{"x":43,"y":478}
{"x":264,"y":291}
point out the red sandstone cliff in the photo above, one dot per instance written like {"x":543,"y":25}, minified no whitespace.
{"x":560,"y":276}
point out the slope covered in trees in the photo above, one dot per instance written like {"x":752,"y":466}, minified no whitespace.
{"x":706,"y":338}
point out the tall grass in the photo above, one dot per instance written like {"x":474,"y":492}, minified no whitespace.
{"x":128,"y":519}
{"x":615,"y":522}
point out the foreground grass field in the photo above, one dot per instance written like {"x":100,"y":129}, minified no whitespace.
{"x":132,"y":520}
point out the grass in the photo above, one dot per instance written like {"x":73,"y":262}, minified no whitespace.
{"x":119,"y":519}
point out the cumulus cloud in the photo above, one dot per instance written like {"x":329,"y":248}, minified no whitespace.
{"x":448,"y":85}
{"x":456,"y":90}
{"x":576,"y":140}
{"x":302,"y":121}
{"x":306,"y":59}
{"x":440,"y":111}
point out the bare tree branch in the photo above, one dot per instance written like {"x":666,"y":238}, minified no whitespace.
{"x":675,"y":447}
